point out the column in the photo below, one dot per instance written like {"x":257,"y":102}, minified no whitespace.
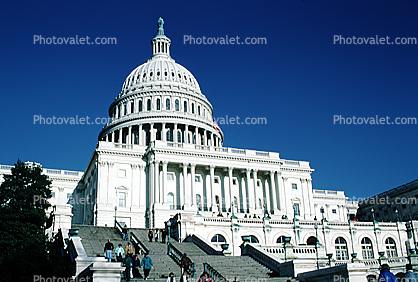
{"x":164,"y":181}
{"x":243,"y":194}
{"x":231,"y":197}
{"x":196,"y":133}
{"x":211,"y":139}
{"x":266,"y":187}
{"x":175,"y":133}
{"x":257,"y":202}
{"x":156,"y":181}
{"x":120,"y":135}
{"x":116,"y":112}
{"x":273,"y":191}
{"x":151,"y":179}
{"x":310,"y":194}
{"x":128,"y":140}
{"x":185,"y":190}
{"x":113,"y":136}
{"x":282,"y":199}
{"x":163,"y":132}
{"x":251,"y":192}
{"x":140,"y":137}
{"x":192,"y":192}
{"x":142,"y":183}
{"x":152,"y":132}
{"x":186,"y":134}
{"x":212,"y":180}
{"x":205,"y":138}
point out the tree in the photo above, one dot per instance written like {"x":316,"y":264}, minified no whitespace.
{"x":23,"y":204}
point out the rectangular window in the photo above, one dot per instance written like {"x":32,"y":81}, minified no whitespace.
{"x":296,"y":209}
{"x":170,"y":176}
{"x":334,"y":211}
{"x":192,"y":108}
{"x":197,"y":178}
{"x":122,"y":199}
{"x":132,"y":107}
{"x":234,"y":181}
{"x":69,"y":196}
{"x":53,"y":195}
{"x":294,"y":186}
{"x":258,"y":183}
{"x":216,"y":180}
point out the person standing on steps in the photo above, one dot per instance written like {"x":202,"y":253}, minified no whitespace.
{"x":150,"y":235}
{"x":386,"y":275}
{"x":185,"y":263}
{"x":147,"y":264}
{"x":163,"y":235}
{"x":108,"y":248}
{"x":120,"y":253}
{"x":184,"y":277}
{"x":171,"y":277}
{"x":128,"y":266}
{"x":125,"y":233}
{"x":129,"y":250}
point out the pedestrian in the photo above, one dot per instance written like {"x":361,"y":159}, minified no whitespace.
{"x":129,"y":250}
{"x":156,"y":235}
{"x":120,"y":253}
{"x":185,"y":263}
{"x":125,"y":233}
{"x":150,"y":235}
{"x":136,"y":264}
{"x":171,"y":277}
{"x":386,"y":275}
{"x":236,"y":279}
{"x":183,"y":277}
{"x":147,"y":264}
{"x":163,"y":235}
{"x":410,"y":275}
{"x":128,"y":267}
{"x":108,"y":248}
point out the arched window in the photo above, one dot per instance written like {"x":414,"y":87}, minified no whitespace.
{"x":169,"y":135}
{"x":218,"y":239}
{"x":341,"y":251}
{"x":178,"y":137}
{"x":140,"y":106}
{"x":253,"y":239}
{"x":185,"y":107}
{"x":311,"y":241}
{"x":367,"y":248}
{"x":391,"y":251}
{"x":149,"y":105}
{"x":167,"y":104}
{"x":177,"y":105}
{"x":158,"y":104}
{"x":280,"y":240}
{"x":198,"y":110}
{"x":170,"y":200}
{"x":198,"y":200}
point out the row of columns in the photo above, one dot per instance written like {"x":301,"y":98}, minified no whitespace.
{"x":199,"y":136}
{"x":248,"y":196}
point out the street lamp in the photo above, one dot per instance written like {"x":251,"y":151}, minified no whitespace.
{"x":316,"y":243}
{"x":286,"y":241}
{"x":323,"y":227}
{"x":116,"y":208}
{"x":397,"y":228}
{"x":374,"y":228}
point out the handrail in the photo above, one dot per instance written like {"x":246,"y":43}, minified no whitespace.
{"x":177,"y":255}
{"x":138,"y":244}
{"x":212,"y":272}
{"x":118,"y":228}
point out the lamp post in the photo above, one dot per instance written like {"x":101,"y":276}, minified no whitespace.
{"x":323,"y":228}
{"x":169,"y":235}
{"x":374,"y":228}
{"x":116,"y":208}
{"x":316,"y":243}
{"x":286,"y":241}
{"x":353,"y":254}
{"x":397,"y":228}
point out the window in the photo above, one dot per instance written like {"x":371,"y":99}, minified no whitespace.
{"x":167,"y":104}
{"x":218,"y":239}
{"x":216,"y":180}
{"x":140,"y":106}
{"x":235,"y":201}
{"x":334,"y":211}
{"x":198,"y":110}
{"x":118,"y":111}
{"x":149,"y":105}
{"x":198,"y":199}
{"x":53,"y":195}
{"x":253,"y":239}
{"x":280,"y":240}
{"x":260,"y":204}
{"x":185,"y":107}
{"x":217,"y":199}
{"x":311,"y":241}
{"x":294,"y":186}
{"x":170,"y":200}
{"x":170,"y":176}
{"x":132,"y":107}
{"x":178,"y":137}
{"x":296,"y":209}
{"x":169,"y":136}
{"x":367,"y":248}
{"x":391,"y":251}
{"x":125,"y":109}
{"x":234,"y":181}
{"x":69,"y":196}
{"x":192,"y":108}
{"x":122,"y":199}
{"x":177,"y":105}
{"x":158,"y":104}
{"x":341,"y":252}
{"x":197,"y":178}
{"x":258,"y":183}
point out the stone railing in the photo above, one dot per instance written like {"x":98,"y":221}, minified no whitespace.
{"x":206,"y":246}
{"x":177,"y":255}
{"x":261,"y":256}
{"x":216,"y":276}
{"x":138,"y":244}
{"x":101,"y":271}
{"x":348,"y":272}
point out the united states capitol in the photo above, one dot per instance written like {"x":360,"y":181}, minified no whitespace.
{"x":160,"y":163}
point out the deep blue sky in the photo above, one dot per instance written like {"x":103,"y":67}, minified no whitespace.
{"x":298,"y":81}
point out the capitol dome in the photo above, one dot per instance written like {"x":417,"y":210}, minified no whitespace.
{"x":161,"y":100}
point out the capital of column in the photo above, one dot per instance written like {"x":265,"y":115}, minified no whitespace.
{"x":192,"y":165}
{"x":164,"y":162}
{"x":255,"y":170}
{"x":248,"y":170}
{"x":230,"y":168}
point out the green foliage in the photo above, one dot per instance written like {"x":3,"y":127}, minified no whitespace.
{"x":23,"y":243}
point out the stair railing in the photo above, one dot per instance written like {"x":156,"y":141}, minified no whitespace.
{"x":176,"y":255}
{"x":138,"y":244}
{"x":216,"y":276}
{"x":118,"y":228}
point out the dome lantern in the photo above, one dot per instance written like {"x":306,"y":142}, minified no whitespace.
{"x":160,"y":43}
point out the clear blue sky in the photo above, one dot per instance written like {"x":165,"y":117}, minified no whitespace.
{"x":298,"y":81}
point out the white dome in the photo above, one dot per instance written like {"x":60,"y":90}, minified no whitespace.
{"x":161,"y":69}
